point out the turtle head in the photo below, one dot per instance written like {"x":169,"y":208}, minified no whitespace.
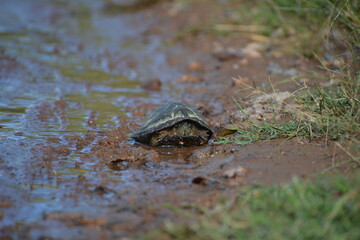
{"x":185,"y":129}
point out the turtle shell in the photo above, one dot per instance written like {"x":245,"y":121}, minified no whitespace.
{"x":169,"y":115}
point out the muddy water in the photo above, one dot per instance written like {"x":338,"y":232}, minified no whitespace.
{"x":77,"y":78}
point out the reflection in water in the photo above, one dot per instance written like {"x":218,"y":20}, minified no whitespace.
{"x":58,"y":59}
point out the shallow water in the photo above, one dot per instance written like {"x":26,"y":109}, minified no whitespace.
{"x":52,"y":51}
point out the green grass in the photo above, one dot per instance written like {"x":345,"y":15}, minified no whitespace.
{"x":269,"y":130}
{"x":328,"y":208}
{"x":336,"y":110}
{"x":332,"y":113}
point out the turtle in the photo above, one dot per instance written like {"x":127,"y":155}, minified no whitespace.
{"x":174,"y":124}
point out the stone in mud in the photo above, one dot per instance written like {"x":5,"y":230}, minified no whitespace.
{"x":152,"y":85}
{"x":200,"y":156}
{"x":238,"y":171}
{"x":174,"y":124}
{"x":228,"y":54}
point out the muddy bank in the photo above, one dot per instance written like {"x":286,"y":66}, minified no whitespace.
{"x":76,"y":79}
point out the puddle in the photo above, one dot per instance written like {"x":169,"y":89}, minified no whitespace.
{"x":71,"y":80}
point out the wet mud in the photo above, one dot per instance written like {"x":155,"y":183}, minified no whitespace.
{"x":77,"y":78}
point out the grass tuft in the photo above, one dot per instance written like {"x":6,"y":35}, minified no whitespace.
{"x":336,"y":110}
{"x":326,"y":112}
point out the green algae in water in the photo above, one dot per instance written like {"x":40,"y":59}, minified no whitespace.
{"x":13,"y":109}
{"x":72,"y":171}
{"x":98,"y":76}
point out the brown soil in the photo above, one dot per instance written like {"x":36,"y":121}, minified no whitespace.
{"x":76,"y":79}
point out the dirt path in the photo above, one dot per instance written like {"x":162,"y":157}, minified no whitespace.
{"x":77,"y":78}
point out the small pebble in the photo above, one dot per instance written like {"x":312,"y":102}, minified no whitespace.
{"x":236,"y":172}
{"x":189,"y":79}
{"x":152,"y":85}
{"x":233,"y":150}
